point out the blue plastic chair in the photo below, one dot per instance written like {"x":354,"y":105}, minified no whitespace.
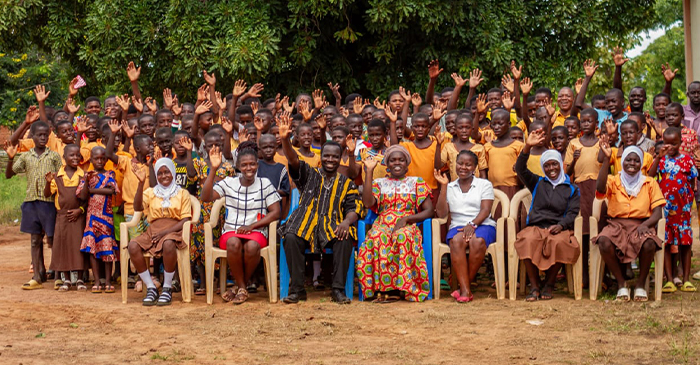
{"x":427,"y":246}
{"x":284,"y":269}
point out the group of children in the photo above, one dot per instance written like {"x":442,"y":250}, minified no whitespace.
{"x":86,"y":173}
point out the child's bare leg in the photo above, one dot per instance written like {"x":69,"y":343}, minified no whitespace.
{"x":646,"y":256}
{"x":108,"y":273}
{"x":668,"y":264}
{"x":37,"y":249}
{"x":95,"y":270}
{"x":607,"y":251}
{"x":251,"y":259}
{"x":460,"y":266}
{"x":686,"y":255}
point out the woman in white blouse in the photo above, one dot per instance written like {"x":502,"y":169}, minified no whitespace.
{"x":468,"y":200}
{"x":252,"y":203}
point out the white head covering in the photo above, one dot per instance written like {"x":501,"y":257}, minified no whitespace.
{"x":553,"y":155}
{"x":166,"y":192}
{"x":632,"y":183}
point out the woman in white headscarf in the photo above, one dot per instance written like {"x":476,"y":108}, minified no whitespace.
{"x":167,"y":208}
{"x":548,"y":241}
{"x":634,"y":207}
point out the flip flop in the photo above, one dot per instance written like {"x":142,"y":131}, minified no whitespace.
{"x":688,"y":287}
{"x":669,"y":288}
{"x":96,"y":289}
{"x":623,"y":295}
{"x":80,"y":285}
{"x":32,"y":285}
{"x":455,"y":294}
{"x":109,"y":289}
{"x":640,"y":295}
{"x":466,"y":299}
{"x":57,"y":284}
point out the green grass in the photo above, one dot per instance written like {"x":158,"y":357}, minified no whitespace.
{"x":11,"y":197}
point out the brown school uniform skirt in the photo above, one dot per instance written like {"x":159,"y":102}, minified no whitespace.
{"x":67,"y":237}
{"x":623,"y":234}
{"x":546,"y":249}
{"x":156,"y":248}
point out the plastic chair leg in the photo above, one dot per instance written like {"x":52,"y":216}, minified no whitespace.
{"x":183,"y":260}
{"x":437,"y":266}
{"x":658,"y":274}
{"x":578,"y":278}
{"x":209,"y":262}
{"x":595,"y":270}
{"x":124,"y":264}
{"x":513,"y":261}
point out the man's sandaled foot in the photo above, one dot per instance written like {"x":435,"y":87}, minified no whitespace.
{"x":228,"y":295}
{"x":533,"y":296}
{"x":240,"y":297}
{"x":623,"y":295}
{"x":546,"y":292}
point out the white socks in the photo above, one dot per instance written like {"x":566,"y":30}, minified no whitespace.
{"x":317,"y":269}
{"x":168,"y":279}
{"x":146,"y":278}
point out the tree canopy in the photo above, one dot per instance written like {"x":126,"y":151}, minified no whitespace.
{"x":368,"y":46}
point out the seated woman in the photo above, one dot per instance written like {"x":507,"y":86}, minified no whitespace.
{"x":634,"y":207}
{"x":167,"y":208}
{"x":548,"y":241}
{"x":391,"y":260}
{"x":252,"y":203}
{"x":468,"y":200}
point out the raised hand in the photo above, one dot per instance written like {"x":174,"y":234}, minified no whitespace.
{"x":221,"y":102}
{"x":286,"y":106}
{"x":434,"y":69}
{"x":128,"y":130}
{"x":70,"y":105}
{"x":151,"y":104}
{"x":439,"y":135}
{"x":516,"y":71}
{"x":525,"y":85}
{"x":176,"y":108}
{"x":668,"y":74}
{"x":351,"y":143}
{"x":481,"y":103}
{"x":133,"y":72}
{"x":203,"y":107}
{"x":664,"y":149}
{"x":255,"y":90}
{"x":139,"y":171}
{"x":203,"y":92}
{"x":239,"y":88}
{"x":549,"y":107}
{"x":357,"y":105}
{"x":439,"y":111}
{"x":536,"y":137}
{"x":578,"y":85}
{"x":392,"y":115}
{"x":589,"y":67}
{"x":186,"y":143}
{"x":416,"y":100}
{"x":370,"y":163}
{"x":123,"y":101}
{"x":605,"y":145}
{"x":278,"y":104}
{"x":284,"y":122}
{"x":32,"y":114}
{"x":475,"y":78}
{"x":41,"y":94}
{"x":344,"y":111}
{"x":321,"y":120}
{"x":619,"y":56}
{"x":243,"y":136}
{"x":441,"y":179}
{"x":508,"y":83}
{"x":259,"y":124}
{"x":81,"y":126}
{"x":210,"y":79}
{"x":459,"y":81}
{"x":72,"y":91}
{"x":168,"y":98}
{"x":406,"y":95}
{"x":49,"y":176}
{"x":138,"y":104}
{"x":114,"y":126}
{"x":304,"y":110}
{"x":508,"y":100}
{"x":10,"y":149}
{"x":227,"y":125}
{"x":319,"y":98}
{"x":378,"y":104}
{"x":610,"y":126}
{"x":335,"y":89}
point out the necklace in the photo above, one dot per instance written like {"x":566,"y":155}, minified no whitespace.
{"x":328,"y":183}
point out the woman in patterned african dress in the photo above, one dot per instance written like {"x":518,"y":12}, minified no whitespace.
{"x":391,"y":259}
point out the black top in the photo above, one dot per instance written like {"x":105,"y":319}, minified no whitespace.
{"x":277,"y":174}
{"x":550,"y":206}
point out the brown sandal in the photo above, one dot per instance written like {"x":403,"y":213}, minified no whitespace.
{"x":229,"y":295}
{"x":241,"y":296}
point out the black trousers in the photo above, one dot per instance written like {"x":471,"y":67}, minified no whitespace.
{"x":294,"y":247}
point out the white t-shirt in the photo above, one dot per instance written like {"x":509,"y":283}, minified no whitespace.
{"x":464,"y":207}
{"x":246,"y":204}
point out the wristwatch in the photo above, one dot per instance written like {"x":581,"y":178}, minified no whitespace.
{"x":472,"y":224}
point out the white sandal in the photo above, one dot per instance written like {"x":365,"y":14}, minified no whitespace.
{"x":623,"y":295}
{"x":640,"y":295}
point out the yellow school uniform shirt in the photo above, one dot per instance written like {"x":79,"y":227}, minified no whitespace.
{"x":501,"y":161}
{"x":560,"y":118}
{"x":379,"y":170}
{"x":523,"y":127}
{"x":180,"y":206}
{"x":587,"y":167}
{"x":422,"y":162}
{"x":54,"y":144}
{"x":616,"y":162}
{"x":69,"y":182}
{"x":314,"y":161}
{"x":533,"y":164}
{"x":86,"y":150}
{"x":621,"y":205}
{"x":449,"y":153}
{"x":130,"y":182}
{"x":513,"y":117}
{"x":487,"y":135}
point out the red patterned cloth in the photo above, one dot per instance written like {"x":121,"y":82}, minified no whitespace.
{"x":98,"y":238}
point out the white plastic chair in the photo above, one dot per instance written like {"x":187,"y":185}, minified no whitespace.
{"x":211,"y":253}
{"x":495,"y":249}
{"x":597,"y":265}
{"x":183,"y":255}
{"x":574,"y":273}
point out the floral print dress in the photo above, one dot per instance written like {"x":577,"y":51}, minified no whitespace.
{"x":677,"y":176}
{"x":393,"y":259}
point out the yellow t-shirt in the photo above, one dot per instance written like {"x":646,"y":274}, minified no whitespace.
{"x":449,"y":153}
{"x":422,"y":162}
{"x":180,"y":206}
{"x":587,"y":167}
{"x":379,"y":171}
{"x":616,"y":162}
{"x":130,"y":182}
{"x":501,"y":161}
{"x":69,"y":182}
{"x":314,"y":161}
{"x":533,"y":164}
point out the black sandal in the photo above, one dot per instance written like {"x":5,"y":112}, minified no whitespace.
{"x":151,"y":297}
{"x":166,"y":296}
{"x":546,"y":292}
{"x":532,"y":297}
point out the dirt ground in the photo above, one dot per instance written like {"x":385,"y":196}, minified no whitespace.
{"x":48,"y":327}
